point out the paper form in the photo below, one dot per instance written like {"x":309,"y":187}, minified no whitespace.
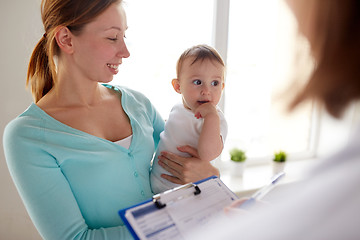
{"x":181,"y":215}
{"x":196,"y":211}
{"x":149,"y":222}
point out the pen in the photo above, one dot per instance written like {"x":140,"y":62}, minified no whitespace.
{"x":262,"y":192}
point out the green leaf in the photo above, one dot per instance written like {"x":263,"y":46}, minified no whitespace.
{"x":280,"y":156}
{"x":237,"y":155}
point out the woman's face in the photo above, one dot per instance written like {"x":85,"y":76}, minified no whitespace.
{"x":100,"y":47}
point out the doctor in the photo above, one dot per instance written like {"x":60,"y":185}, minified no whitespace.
{"x":327,"y":204}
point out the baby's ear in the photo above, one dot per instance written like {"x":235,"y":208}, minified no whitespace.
{"x":176,"y":85}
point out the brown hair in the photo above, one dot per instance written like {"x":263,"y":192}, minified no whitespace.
{"x":73,"y":14}
{"x":198,"y":52}
{"x":335,"y":81}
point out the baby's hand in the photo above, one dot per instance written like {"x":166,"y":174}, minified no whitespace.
{"x":205,"y":110}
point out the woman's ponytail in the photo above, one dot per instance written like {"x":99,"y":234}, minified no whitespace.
{"x":40,"y":74}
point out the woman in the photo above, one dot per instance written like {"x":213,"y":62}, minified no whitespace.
{"x":82,"y":150}
{"x":326,"y":205}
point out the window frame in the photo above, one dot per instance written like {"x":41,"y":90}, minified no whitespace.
{"x":220,"y":42}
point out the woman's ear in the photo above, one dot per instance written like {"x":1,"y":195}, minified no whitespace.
{"x":176,"y":85}
{"x":64,"y":40}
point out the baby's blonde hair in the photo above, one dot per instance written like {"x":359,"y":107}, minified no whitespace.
{"x":198,"y":52}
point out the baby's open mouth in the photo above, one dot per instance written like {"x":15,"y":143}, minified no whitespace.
{"x":202,"y":102}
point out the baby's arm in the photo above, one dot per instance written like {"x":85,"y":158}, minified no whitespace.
{"x":210,"y":142}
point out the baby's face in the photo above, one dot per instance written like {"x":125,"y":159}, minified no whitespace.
{"x":201,"y":82}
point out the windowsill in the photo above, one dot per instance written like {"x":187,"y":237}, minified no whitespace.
{"x":255,"y":177}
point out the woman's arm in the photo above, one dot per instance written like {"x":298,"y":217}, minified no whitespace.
{"x":185,"y":169}
{"x":45,"y":190}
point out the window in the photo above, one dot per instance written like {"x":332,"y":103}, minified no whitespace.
{"x":261,"y":46}
{"x":258,"y":50}
{"x":159,"y":31}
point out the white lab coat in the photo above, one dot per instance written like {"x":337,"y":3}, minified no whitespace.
{"x":325,"y":206}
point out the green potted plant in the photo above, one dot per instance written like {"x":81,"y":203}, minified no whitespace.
{"x":237,"y":157}
{"x":279,"y":161}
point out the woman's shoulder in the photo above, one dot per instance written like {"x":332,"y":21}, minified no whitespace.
{"x":30,"y":114}
{"x":130,"y":96}
{"x":24,"y":125}
{"x":126,"y":92}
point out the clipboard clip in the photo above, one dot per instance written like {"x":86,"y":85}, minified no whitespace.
{"x":174,"y":194}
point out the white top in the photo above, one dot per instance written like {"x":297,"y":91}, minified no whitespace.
{"x":182,"y":128}
{"x":125,"y":142}
{"x":326,"y":205}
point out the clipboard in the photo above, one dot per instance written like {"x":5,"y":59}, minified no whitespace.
{"x":174,"y":213}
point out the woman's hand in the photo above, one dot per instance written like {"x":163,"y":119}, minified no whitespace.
{"x":186,"y":169}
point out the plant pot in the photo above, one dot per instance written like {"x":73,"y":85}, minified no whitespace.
{"x":237,"y":168}
{"x":278,"y":167}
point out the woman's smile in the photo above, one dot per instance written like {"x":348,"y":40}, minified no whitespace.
{"x":114,"y":68}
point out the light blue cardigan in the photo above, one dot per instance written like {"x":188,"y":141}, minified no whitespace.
{"x":73,"y":183}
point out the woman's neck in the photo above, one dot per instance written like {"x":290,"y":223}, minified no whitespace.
{"x":72,"y":91}
{"x":75,"y":88}
{"x":76,"y":93}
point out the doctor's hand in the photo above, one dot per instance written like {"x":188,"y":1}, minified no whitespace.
{"x":186,"y":169}
{"x":237,"y":207}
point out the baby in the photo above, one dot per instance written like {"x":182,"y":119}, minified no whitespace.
{"x":198,"y":121}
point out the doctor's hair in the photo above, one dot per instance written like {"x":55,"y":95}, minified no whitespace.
{"x":73,"y":14}
{"x":335,"y":81}
{"x":199,"y":53}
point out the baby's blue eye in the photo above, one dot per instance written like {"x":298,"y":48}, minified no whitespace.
{"x":197,"y":82}
{"x":215,"y":83}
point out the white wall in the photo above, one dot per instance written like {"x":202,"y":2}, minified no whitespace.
{"x":21,"y":27}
